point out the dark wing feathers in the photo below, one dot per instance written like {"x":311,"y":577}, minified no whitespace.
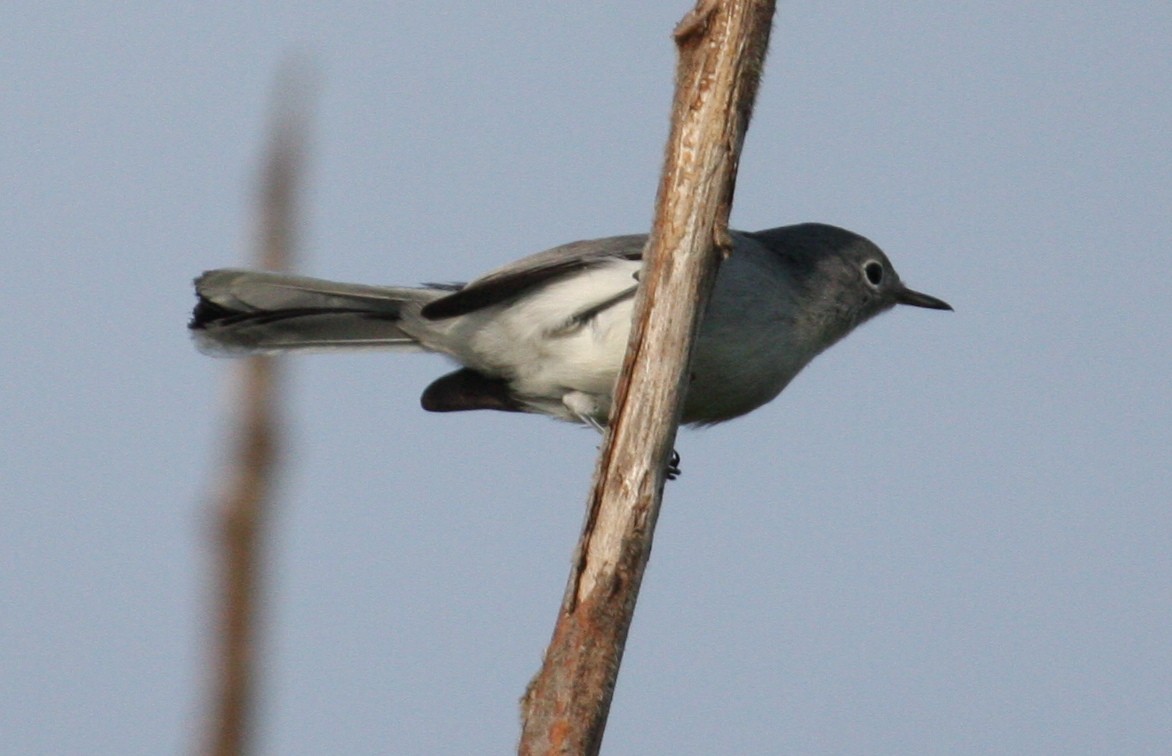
{"x":466,"y":389}
{"x":517,"y":278}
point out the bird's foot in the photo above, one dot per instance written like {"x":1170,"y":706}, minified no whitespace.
{"x":673,"y":466}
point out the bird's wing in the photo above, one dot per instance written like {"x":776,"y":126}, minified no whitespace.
{"x":517,"y":278}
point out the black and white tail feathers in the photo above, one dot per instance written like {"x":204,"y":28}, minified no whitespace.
{"x":254,"y":312}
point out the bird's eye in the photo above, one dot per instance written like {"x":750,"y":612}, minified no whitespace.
{"x":873,"y":270}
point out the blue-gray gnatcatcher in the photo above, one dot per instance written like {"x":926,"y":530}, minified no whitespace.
{"x":547,"y":333}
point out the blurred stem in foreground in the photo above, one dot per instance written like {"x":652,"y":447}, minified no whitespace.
{"x":245,"y":488}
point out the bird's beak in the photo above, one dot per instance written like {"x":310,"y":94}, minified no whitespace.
{"x":916,"y":299}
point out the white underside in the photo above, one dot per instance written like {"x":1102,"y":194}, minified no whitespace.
{"x":569,"y":371}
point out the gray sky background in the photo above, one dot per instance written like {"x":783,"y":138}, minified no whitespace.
{"x":952,"y":533}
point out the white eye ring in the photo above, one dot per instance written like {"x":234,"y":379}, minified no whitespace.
{"x":873,"y":273}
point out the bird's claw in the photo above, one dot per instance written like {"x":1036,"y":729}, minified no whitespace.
{"x":673,"y":466}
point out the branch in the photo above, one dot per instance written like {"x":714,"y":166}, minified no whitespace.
{"x":242,"y":505}
{"x":722,"y":45}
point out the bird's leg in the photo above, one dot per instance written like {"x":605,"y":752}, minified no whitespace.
{"x":673,"y":466}
{"x":593,"y":423}
{"x":673,"y":463}
{"x":585,"y":408}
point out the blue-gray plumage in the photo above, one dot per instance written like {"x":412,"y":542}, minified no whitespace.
{"x":547,"y":333}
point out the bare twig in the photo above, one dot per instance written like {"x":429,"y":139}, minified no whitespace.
{"x":722,"y":45}
{"x":242,"y":503}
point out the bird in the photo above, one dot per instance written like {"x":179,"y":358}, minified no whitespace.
{"x":547,"y":334}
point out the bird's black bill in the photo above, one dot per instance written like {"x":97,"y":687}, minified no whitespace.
{"x":916,"y":299}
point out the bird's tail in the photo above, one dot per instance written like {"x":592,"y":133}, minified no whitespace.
{"x":253,"y":312}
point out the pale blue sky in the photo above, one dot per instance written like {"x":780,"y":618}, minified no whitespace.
{"x":952,"y":533}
